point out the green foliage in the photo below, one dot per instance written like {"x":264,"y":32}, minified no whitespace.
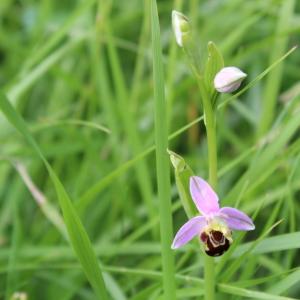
{"x":80,"y":73}
{"x":76,"y":232}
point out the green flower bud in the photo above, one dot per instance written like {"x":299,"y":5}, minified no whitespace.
{"x":180,"y":25}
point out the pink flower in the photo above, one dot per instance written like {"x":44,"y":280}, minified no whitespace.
{"x":215,"y":225}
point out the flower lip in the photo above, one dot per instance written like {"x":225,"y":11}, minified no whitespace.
{"x":216,"y":243}
{"x":229,"y":79}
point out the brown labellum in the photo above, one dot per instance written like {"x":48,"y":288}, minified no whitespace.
{"x":216,"y":243}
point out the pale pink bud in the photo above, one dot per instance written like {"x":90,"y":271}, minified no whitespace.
{"x":228,"y":79}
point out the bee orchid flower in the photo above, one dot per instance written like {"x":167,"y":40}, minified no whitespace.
{"x":214,"y":226}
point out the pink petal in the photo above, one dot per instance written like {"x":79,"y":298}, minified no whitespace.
{"x":236,"y":219}
{"x":190,"y":229}
{"x":204,"y":197}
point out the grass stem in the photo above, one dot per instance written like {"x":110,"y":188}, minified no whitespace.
{"x":162,"y":161}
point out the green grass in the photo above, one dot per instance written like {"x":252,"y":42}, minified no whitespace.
{"x":93,"y":93}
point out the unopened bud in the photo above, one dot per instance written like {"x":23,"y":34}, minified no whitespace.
{"x":180,"y":25}
{"x":19,"y":296}
{"x":228,"y":79}
{"x":177,"y":161}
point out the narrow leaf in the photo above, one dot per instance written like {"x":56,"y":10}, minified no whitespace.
{"x":272,"y":244}
{"x":250,"y":293}
{"x":162,"y":163}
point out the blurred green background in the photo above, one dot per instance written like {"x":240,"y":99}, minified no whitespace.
{"x":80,"y":73}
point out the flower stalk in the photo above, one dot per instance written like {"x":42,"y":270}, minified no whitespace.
{"x":210,"y":124}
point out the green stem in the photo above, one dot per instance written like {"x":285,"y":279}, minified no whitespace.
{"x":209,"y":278}
{"x":210,"y":123}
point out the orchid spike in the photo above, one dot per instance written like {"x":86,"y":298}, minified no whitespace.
{"x":215,"y":225}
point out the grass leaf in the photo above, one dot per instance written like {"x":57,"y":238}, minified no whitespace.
{"x":76,"y":232}
{"x":162,"y":162}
